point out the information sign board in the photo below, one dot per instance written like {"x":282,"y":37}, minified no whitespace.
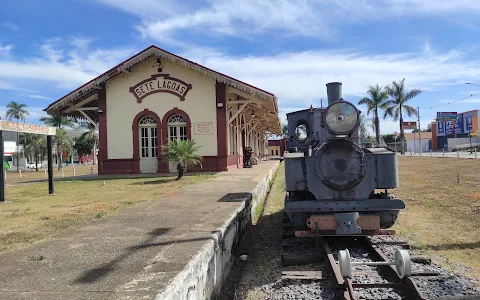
{"x":409,"y":125}
{"x":446,"y":116}
{"x":27,"y":128}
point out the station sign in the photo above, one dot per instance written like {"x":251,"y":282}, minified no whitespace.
{"x":409,"y":125}
{"x":446,"y":116}
{"x":27,"y":128}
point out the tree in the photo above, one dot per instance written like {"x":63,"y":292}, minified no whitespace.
{"x":285,"y":131}
{"x":36,"y":145}
{"x":396,"y":106}
{"x":83,"y":145}
{"x":377,"y":96}
{"x":389,"y":138}
{"x":63,"y":144}
{"x":16,"y":111}
{"x":91,"y":135}
{"x":363,"y":126}
{"x":60,"y":122}
{"x":184,"y":154}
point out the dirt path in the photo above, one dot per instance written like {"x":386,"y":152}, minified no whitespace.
{"x":262,"y":246}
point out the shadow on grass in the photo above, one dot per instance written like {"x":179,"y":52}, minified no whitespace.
{"x":454,"y":246}
{"x":87,"y":178}
{"x":159,"y":181}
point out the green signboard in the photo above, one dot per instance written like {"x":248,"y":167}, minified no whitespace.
{"x":6,"y":165}
{"x":446,"y":116}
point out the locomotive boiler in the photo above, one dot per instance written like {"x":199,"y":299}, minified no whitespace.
{"x":334,"y":185}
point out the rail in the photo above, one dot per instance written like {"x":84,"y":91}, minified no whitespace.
{"x":346,"y":286}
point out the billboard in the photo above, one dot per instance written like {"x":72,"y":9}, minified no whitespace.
{"x":440,"y":128}
{"x":449,"y":128}
{"x":409,"y":125}
{"x":446,"y":116}
{"x":469,"y":122}
{"x":458,"y":127}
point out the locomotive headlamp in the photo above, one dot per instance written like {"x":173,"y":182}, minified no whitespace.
{"x":341,"y":117}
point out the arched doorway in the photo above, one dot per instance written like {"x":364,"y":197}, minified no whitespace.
{"x":147,"y":127}
{"x":177,"y":130}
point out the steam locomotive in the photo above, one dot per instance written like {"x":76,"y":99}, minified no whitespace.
{"x":334,"y":185}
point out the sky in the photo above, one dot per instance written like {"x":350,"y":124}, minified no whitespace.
{"x":290,"y":48}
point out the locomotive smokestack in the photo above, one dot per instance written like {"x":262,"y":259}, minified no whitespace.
{"x":334,"y":92}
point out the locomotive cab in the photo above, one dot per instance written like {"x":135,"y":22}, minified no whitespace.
{"x":331,"y":180}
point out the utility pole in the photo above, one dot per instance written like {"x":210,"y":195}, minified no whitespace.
{"x":419,"y":131}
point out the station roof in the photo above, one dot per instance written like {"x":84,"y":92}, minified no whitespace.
{"x":86,"y":95}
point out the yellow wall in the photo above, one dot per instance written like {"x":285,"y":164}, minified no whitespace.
{"x":274,"y":149}
{"x":122,"y":106}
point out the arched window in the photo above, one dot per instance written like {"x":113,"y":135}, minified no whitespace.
{"x":148,"y":137}
{"x":177,"y":128}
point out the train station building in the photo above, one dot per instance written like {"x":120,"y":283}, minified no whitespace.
{"x":155,"y":97}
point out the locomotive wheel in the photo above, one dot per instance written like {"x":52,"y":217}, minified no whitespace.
{"x":403,"y":263}
{"x":344,"y":262}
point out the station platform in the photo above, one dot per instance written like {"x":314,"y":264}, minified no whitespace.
{"x":178,"y":246}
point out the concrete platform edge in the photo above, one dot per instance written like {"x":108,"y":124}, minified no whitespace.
{"x":206,"y":273}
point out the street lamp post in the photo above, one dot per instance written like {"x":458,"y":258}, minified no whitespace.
{"x":470,"y":133}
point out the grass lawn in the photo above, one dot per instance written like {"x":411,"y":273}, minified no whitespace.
{"x":442,"y":197}
{"x":30,"y":214}
{"x":32,"y":175}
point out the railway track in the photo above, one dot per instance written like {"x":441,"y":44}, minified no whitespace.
{"x":373,"y":274}
{"x":388,"y":278}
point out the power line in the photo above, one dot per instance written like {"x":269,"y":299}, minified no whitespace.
{"x":448,"y":103}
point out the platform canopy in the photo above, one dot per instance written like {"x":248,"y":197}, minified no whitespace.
{"x":82,"y":103}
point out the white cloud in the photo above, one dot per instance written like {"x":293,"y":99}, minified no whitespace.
{"x":82,"y":43}
{"x":11,"y":26}
{"x":39,"y":97}
{"x":150,"y":8}
{"x":244,"y":18}
{"x":60,"y":64}
{"x":299,"y":77}
{"x":5,"y":50}
{"x":167,"y":20}
{"x":9,"y":86}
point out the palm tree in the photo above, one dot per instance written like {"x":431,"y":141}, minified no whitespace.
{"x":36,"y":146}
{"x":16,"y":111}
{"x":285,"y":131}
{"x":376,"y":99}
{"x":396,"y":106}
{"x":91,"y":134}
{"x":60,"y":122}
{"x":184,"y":154}
{"x":363,"y":126}
{"x":63,"y":144}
